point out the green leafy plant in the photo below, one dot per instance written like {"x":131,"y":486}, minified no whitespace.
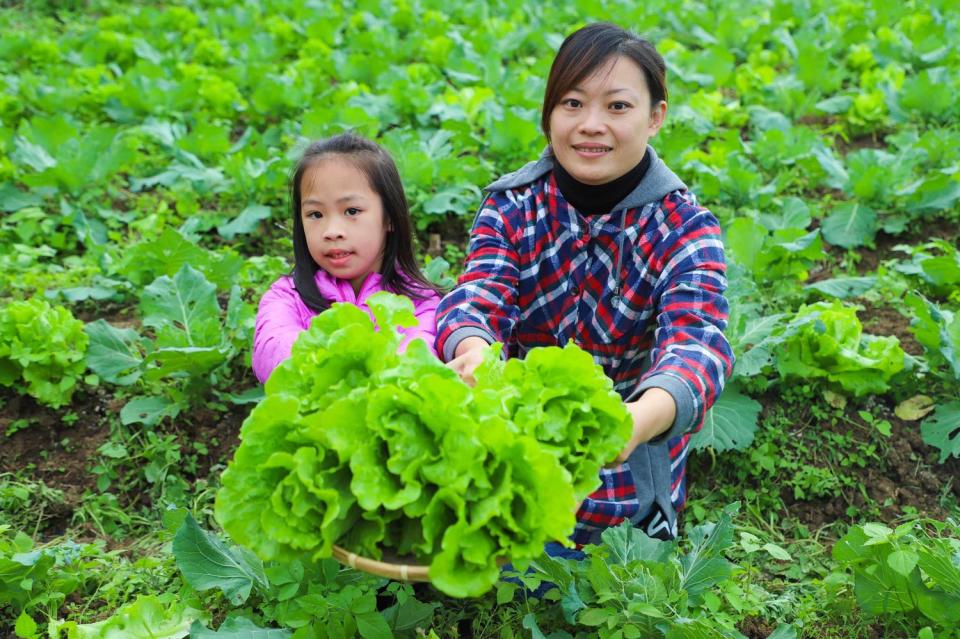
{"x":42,"y":350}
{"x":359,"y":446}
{"x":322,"y":596}
{"x":907,"y":571}
{"x":936,"y":263}
{"x":636,"y":586}
{"x":194,"y":341}
{"x":938,"y":331}
{"x":826,"y":340}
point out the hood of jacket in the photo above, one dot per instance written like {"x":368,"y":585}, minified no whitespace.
{"x":657,"y":182}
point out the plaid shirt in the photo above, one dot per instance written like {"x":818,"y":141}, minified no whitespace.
{"x":539,"y":273}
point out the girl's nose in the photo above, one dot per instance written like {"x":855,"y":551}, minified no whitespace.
{"x":334,"y":231}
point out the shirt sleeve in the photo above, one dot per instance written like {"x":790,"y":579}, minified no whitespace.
{"x":484,"y":304}
{"x":691,"y":358}
{"x":425,"y":310}
{"x":277,"y":327}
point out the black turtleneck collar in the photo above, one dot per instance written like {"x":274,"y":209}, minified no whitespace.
{"x":590,"y":199}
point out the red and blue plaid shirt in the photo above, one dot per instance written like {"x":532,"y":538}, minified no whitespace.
{"x":539,"y":273}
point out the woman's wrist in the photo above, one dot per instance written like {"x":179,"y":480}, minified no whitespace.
{"x":468,"y":344}
{"x":653,"y":414}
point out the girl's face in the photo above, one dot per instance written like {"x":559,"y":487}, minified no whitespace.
{"x":599,"y":129}
{"x":343,"y":220}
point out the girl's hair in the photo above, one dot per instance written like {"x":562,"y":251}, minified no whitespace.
{"x":398,"y":268}
{"x":586,"y":49}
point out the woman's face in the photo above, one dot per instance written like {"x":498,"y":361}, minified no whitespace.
{"x":599,"y":129}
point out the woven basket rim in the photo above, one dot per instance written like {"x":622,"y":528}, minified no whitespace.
{"x":390,"y":570}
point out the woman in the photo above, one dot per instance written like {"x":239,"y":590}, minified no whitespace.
{"x":599,"y":243}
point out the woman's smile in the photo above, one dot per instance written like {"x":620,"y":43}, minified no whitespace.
{"x":592,"y":150}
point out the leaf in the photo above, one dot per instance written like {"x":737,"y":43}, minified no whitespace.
{"x":530,"y":623}
{"x":903,"y":561}
{"x":942,"y":430}
{"x":628,"y":543}
{"x":167,"y":254}
{"x":33,"y":155}
{"x":783,"y":631}
{"x":187,"y":361}
{"x":849,"y":225}
{"x":237,"y":628}
{"x":843,"y":287}
{"x":703,"y":566}
{"x":836,"y":104}
{"x":452,"y":199}
{"x":410,"y":613}
{"x":371,"y":625}
{"x":26,"y":627}
{"x":759,"y":328}
{"x":777,"y":552}
{"x":114,"y":353}
{"x":730,"y":424}
{"x":13,"y":199}
{"x":938,"y":330}
{"x":595,"y":616}
{"x":914,"y":408}
{"x":148,"y":410}
{"x":837,"y":176}
{"x":249,"y":396}
{"x":206,"y":562}
{"x":247,"y":222}
{"x":186,"y":304}
{"x":145,"y":618}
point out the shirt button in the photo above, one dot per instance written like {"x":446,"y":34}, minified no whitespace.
{"x":575,"y":291}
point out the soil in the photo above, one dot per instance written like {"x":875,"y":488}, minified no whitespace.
{"x":53,"y":451}
{"x":60,"y":454}
{"x":908,"y":476}
{"x":755,"y":628}
{"x":887,"y":321}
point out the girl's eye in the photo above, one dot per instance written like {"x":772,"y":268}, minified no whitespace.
{"x":619,"y":106}
{"x":314,"y":215}
{"x":352,"y":211}
{"x":573,"y":103}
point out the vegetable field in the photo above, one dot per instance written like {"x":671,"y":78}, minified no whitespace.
{"x":145,"y":154}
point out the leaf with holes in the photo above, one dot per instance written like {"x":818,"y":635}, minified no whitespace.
{"x":183,"y":310}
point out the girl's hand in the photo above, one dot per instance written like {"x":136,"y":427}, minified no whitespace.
{"x":653,"y":413}
{"x":467,"y":357}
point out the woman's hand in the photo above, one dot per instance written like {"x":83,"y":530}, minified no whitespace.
{"x":467,"y":357}
{"x":653,"y":413}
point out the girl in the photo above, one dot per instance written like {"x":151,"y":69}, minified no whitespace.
{"x":351,"y":239}
{"x":599,"y":243}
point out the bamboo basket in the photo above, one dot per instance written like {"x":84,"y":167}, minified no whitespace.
{"x":390,"y":569}
{"x":393,"y":568}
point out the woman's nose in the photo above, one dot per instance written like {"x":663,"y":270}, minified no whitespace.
{"x":592,"y":122}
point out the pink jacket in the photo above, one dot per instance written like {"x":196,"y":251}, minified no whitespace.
{"x":282,"y":315}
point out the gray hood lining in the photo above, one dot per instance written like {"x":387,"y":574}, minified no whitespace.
{"x":655,"y":185}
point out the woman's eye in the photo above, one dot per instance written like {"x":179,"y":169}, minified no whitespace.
{"x":314,"y":215}
{"x":573,"y":103}
{"x":619,"y":106}
{"x":351,"y":212}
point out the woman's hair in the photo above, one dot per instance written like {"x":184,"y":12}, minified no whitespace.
{"x":586,"y":49}
{"x":398,"y":268}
